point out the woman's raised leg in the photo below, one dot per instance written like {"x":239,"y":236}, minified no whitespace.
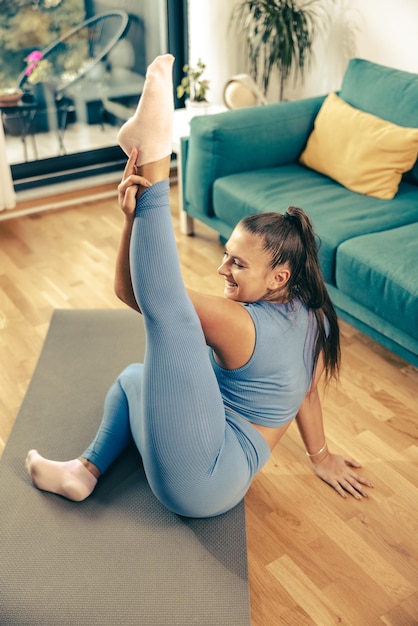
{"x":183,"y":422}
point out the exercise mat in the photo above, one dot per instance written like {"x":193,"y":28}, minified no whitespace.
{"x":119,"y":557}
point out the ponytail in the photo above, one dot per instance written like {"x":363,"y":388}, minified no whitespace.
{"x":290,"y":238}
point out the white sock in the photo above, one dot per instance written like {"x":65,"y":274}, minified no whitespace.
{"x":150,"y":128}
{"x":70,"y":479}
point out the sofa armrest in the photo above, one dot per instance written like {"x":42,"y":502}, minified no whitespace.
{"x":244,"y":140}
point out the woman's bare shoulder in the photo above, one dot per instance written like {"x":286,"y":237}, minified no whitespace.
{"x":227,"y":326}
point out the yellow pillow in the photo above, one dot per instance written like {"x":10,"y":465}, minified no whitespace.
{"x":359,"y":150}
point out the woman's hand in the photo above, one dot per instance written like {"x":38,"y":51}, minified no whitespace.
{"x":338,"y":472}
{"x":130,"y":184}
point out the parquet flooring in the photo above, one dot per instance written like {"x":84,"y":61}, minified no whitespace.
{"x":314,"y":558}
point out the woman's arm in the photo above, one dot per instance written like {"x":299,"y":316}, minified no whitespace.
{"x":123,"y":283}
{"x":334,"y":469}
{"x":128,"y":190}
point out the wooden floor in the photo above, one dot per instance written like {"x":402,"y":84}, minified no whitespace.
{"x":314,"y":558}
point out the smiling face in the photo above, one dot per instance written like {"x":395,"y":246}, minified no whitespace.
{"x":247,"y":271}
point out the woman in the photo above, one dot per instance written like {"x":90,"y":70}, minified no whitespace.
{"x":205,"y":421}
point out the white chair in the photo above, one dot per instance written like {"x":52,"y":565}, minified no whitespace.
{"x":67,"y":60}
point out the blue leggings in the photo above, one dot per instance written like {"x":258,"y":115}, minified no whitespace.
{"x":199,"y":459}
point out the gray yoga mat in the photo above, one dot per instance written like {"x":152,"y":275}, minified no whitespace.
{"x":120,"y":557}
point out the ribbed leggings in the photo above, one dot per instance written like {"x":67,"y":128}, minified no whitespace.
{"x":199,"y":460}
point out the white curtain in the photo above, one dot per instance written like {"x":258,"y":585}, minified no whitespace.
{"x":7,"y":192}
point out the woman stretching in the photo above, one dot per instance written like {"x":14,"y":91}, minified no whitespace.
{"x":206,"y":419}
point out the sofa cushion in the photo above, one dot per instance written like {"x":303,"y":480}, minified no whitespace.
{"x":361,"y":151}
{"x":380,"y":272}
{"x":275,"y":189}
{"x":383,"y":91}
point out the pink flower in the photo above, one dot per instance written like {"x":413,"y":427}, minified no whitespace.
{"x":32,"y":60}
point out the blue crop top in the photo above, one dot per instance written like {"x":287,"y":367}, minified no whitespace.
{"x":269,"y":389}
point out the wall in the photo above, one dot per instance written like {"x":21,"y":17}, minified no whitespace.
{"x":383,"y":31}
{"x":391,"y":38}
{"x":211,"y":39}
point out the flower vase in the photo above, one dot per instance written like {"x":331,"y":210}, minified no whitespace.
{"x":196,"y":107}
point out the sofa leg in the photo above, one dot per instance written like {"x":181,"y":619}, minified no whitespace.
{"x":186,"y":223}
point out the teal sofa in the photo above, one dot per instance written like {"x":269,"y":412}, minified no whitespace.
{"x":246,"y":161}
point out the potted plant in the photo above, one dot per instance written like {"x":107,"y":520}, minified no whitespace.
{"x":195,"y":87}
{"x":277,"y":33}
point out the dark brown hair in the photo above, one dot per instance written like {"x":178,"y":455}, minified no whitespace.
{"x":290,"y":238}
